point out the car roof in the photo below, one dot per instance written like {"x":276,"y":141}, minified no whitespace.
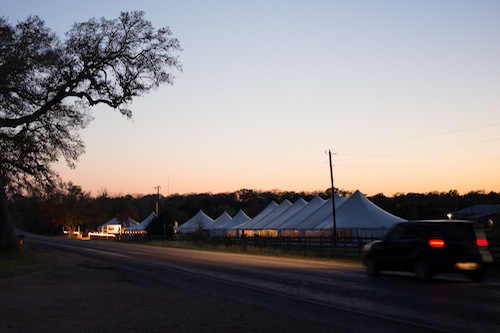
{"x":443,"y":221}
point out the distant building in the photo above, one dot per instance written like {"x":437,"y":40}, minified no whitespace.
{"x":487,"y":215}
{"x":129,"y":226}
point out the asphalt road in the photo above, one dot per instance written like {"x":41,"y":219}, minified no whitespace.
{"x":330,"y":293}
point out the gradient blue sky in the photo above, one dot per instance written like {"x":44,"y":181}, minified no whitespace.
{"x":406,"y":93}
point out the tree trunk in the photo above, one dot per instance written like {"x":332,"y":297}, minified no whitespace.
{"x":8,"y":238}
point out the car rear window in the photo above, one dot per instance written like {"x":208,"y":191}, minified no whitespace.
{"x":458,"y":231}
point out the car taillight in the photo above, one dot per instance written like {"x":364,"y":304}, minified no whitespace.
{"x":436,"y":243}
{"x":482,"y":242}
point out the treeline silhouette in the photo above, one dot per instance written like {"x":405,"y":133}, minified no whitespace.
{"x":33,"y":214}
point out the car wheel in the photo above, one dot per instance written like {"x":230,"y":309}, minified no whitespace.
{"x":372,"y":268}
{"x":423,"y":271}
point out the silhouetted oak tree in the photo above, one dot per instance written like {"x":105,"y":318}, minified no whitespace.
{"x":48,"y":84}
{"x":66,"y":205}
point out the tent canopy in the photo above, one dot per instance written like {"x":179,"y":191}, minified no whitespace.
{"x":357,"y":212}
{"x":354,"y":212}
{"x":261,"y":221}
{"x":239,"y":219}
{"x":223,"y":219}
{"x":144,"y":223}
{"x":129,"y":224}
{"x":200,"y":220}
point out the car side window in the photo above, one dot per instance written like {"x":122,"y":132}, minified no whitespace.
{"x":397,"y":233}
{"x":415,"y":232}
{"x":404,"y":232}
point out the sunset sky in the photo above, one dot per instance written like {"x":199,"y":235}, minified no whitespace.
{"x":405,"y":93}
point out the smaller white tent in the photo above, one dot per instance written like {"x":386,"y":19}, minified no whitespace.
{"x":238,"y":221}
{"x":200,"y":220}
{"x":115,"y":226}
{"x":141,"y":227}
{"x":231,"y":228}
{"x":221,"y":220}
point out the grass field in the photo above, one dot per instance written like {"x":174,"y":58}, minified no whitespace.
{"x":13,"y":263}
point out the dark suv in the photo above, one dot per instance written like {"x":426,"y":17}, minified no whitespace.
{"x":430,"y":247}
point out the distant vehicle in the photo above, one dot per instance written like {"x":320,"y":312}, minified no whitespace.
{"x":430,"y":247}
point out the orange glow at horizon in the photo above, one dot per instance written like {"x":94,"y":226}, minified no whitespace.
{"x":402,"y":111}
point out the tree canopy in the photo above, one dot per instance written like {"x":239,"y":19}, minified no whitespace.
{"x":49,"y":84}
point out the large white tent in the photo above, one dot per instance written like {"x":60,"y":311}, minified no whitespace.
{"x":261,"y":221}
{"x":323,"y":212}
{"x":359,"y":212}
{"x":354,"y":215}
{"x":359,"y":215}
{"x":277,"y":222}
{"x":262,"y":215}
{"x":300,"y":218}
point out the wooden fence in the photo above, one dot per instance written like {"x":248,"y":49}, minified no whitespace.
{"x":350,"y":247}
{"x":320,"y":246}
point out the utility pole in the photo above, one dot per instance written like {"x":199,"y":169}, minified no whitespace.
{"x":157,"y":205}
{"x":157,"y":210}
{"x":333,"y":200}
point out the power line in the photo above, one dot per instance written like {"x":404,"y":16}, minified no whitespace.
{"x":422,"y":136}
